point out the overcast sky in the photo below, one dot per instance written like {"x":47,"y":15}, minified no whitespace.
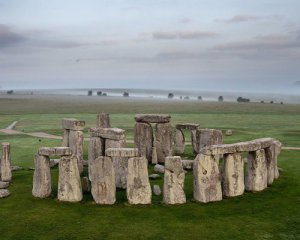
{"x":249,"y":45}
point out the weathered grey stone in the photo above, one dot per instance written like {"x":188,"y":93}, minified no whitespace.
{"x":16,"y":168}
{"x":174,"y":181}
{"x":195,"y":139}
{"x":179,"y":142}
{"x":143,"y":139}
{"x":69,"y":184}
{"x":228,"y":132}
{"x":96,"y":149}
{"x":86,"y":185}
{"x":156,"y":190}
{"x":270,"y":160}
{"x":154,"y":156}
{"x":120,"y":163}
{"x":159,"y":168}
{"x":108,"y":133}
{"x":152,"y":118}
{"x":187,"y":126}
{"x":4,"y":185}
{"x":138,"y":187}
{"x":76,"y":145}
{"x":154,"y":176}
{"x":65,"y":142}
{"x":4,"y":193}
{"x":187,"y":164}
{"x":73,"y":124}
{"x":121,"y":152}
{"x":5,"y":163}
{"x":103,"y":120}
{"x":219,"y":149}
{"x":103,"y":181}
{"x":207,"y":179}
{"x":55,"y":151}
{"x":209,"y":137}
{"x":257,"y":175}
{"x":277,"y":147}
{"x":42,"y":177}
{"x":163,"y":141}
{"x":233,"y":175}
{"x":54,"y":162}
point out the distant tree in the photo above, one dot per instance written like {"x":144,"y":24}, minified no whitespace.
{"x":199,"y":97}
{"x":104,"y":94}
{"x":281,"y":102}
{"x":99,"y":93}
{"x":180,"y":97}
{"x":10,"y":92}
{"x":272,"y":102}
{"x":90,"y":92}
{"x":126,"y":94}
{"x":186,"y":98}
{"x":170,"y":95}
{"x":220,"y":99}
{"x":245,"y":100}
{"x":262,"y":101}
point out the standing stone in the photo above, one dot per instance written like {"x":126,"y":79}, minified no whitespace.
{"x":143,"y":139}
{"x":138,"y":187}
{"x":5,"y":164}
{"x":195,"y":135}
{"x":233,"y":175}
{"x":103,"y":120}
{"x":154,"y":155}
{"x":76,"y":146}
{"x":257,"y":175}
{"x":174,"y":181}
{"x":120,"y":163}
{"x":207,"y":179}
{"x":179,"y":142}
{"x":96,"y":149}
{"x":276,"y":153}
{"x":42,"y":177}
{"x":270,"y":160}
{"x":69,"y":184}
{"x":65,"y":142}
{"x":163,"y":141}
{"x":209,"y":137}
{"x":103,"y":181}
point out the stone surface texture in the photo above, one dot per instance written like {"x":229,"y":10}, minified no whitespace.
{"x":163,"y":141}
{"x":143,"y":139}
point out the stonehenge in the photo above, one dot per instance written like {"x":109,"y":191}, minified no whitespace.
{"x":73,"y":138}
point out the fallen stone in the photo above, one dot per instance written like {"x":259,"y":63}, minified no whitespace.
{"x":138,"y":189}
{"x":187,"y":164}
{"x":143,"y":139}
{"x":4,"y":193}
{"x":55,"y":151}
{"x":31,"y":169}
{"x":69,"y":184}
{"x":152,"y":118}
{"x":4,"y":185}
{"x":156,"y":190}
{"x":121,"y":152}
{"x":16,"y":168}
{"x":154,"y":176}
{"x":207,"y":179}
{"x":73,"y":124}
{"x":103,"y":120}
{"x":163,"y":141}
{"x":179,"y":142}
{"x":174,"y":181}
{"x":108,"y":133}
{"x":159,"y":168}
{"x":228,"y":132}
{"x":103,"y":181}
{"x":187,"y":126}
{"x":5,"y":163}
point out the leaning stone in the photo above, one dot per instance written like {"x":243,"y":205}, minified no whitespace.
{"x":179,"y":142}
{"x":156,"y":190}
{"x":207,"y":179}
{"x":143,"y":139}
{"x":154,"y":156}
{"x":4,"y":193}
{"x":163,"y":141}
{"x":96,"y":149}
{"x":103,"y":120}
{"x":257,"y":174}
{"x":5,"y":163}
{"x":121,"y":152}
{"x":42,"y":177}
{"x":187,"y":164}
{"x":174,"y":181}
{"x":154,"y":176}
{"x":138,"y":189}
{"x":152,"y":118}
{"x":233,"y":175}
{"x":103,"y":181}
{"x":159,"y":168}
{"x":187,"y":126}
{"x":108,"y":133}
{"x":4,"y":185}
{"x":76,"y":145}
{"x":86,"y":185}
{"x":55,"y":151}
{"x":73,"y":124}
{"x":69,"y":184}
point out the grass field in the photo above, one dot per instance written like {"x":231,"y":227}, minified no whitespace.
{"x":271,"y":214}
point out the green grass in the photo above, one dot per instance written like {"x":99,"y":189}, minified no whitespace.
{"x":270,"y":214}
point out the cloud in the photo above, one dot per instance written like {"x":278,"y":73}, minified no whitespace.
{"x":182,"y":35}
{"x":8,"y":37}
{"x":186,"y":20}
{"x":248,"y":18}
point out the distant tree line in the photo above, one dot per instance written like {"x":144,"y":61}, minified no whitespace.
{"x":241,"y":99}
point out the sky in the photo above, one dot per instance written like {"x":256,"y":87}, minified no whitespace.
{"x":229,"y":45}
